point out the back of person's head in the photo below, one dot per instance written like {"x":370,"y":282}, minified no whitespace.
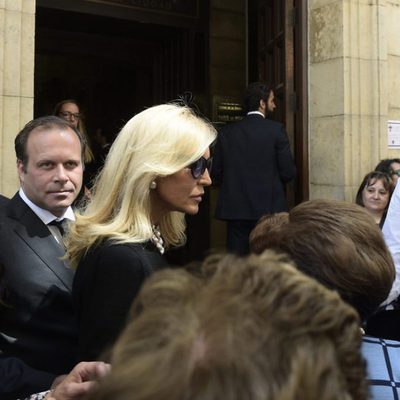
{"x":266,"y":225}
{"x":338,"y":244}
{"x":243,"y":328}
{"x":155,"y":143}
{"x":370,"y":179}
{"x":255,"y":92}
{"x":386,"y":165}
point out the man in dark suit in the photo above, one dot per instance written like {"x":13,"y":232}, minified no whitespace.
{"x":252,"y":163}
{"x":36,"y":312}
{"x":3,"y":200}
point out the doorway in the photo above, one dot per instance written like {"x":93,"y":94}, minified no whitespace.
{"x":278,"y":54}
{"x":115,"y":68}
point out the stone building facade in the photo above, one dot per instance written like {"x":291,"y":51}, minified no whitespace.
{"x":353,"y":69}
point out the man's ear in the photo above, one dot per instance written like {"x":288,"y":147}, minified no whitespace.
{"x":262,"y":106}
{"x":21,"y":168}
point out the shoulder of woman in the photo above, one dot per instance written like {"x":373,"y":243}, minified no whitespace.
{"x":109,"y":248}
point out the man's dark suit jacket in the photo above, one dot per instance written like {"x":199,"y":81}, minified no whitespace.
{"x":3,"y":201}
{"x":252,"y":162}
{"x":36,"y":314}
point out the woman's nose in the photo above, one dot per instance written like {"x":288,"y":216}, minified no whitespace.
{"x":205,"y":179}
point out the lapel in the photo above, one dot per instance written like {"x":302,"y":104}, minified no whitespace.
{"x":30,"y":228}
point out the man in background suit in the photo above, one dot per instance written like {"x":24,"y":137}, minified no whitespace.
{"x":36,"y":312}
{"x":252,"y":163}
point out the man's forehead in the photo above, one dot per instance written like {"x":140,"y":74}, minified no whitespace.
{"x":38,"y":146}
{"x":50,"y":131}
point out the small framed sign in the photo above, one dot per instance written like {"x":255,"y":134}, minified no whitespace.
{"x":393,"y":128}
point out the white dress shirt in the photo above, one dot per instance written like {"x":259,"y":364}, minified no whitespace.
{"x":391,"y":233}
{"x":46,"y":216}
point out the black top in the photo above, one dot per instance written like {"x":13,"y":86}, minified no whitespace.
{"x":107,"y":280}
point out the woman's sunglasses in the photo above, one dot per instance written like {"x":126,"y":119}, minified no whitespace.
{"x":199,"y":167}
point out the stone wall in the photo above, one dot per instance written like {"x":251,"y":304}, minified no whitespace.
{"x":353,"y":59}
{"x":17,"y":32}
{"x":393,"y":62}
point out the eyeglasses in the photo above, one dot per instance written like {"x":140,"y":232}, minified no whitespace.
{"x":67,"y":114}
{"x":198,"y":167}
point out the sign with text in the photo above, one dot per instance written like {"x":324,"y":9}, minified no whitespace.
{"x":393,"y":134}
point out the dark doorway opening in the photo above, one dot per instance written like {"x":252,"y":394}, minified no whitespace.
{"x":116,"y":67}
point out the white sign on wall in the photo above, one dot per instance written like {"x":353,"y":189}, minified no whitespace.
{"x":393,"y":134}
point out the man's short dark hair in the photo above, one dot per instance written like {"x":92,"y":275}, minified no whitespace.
{"x":44,"y":124}
{"x":386,"y":165}
{"x":255,"y":92}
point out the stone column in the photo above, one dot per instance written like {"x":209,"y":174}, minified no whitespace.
{"x":17,"y":32}
{"x":349,"y":92}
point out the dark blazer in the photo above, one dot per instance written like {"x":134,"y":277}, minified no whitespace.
{"x":36,"y":314}
{"x":18,"y":380}
{"x":252,"y":162}
{"x":3,"y":202}
{"x":107,"y":280}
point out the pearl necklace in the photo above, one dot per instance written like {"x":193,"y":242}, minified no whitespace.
{"x":157,"y":239}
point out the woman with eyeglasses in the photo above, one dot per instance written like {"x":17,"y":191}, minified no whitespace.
{"x":155,"y":173}
{"x":390,"y":166}
{"x":69,"y":110}
{"x":374,"y":194}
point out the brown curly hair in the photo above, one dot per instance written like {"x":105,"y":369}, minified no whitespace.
{"x":241,"y":329}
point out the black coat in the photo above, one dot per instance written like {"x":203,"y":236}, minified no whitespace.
{"x":252,"y":162}
{"x":107,"y":280}
{"x":37,"y":321}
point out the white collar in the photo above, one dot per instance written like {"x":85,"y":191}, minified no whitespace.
{"x":256,"y":112}
{"x":45,"y":215}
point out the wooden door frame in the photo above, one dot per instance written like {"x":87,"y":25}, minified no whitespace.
{"x":301,"y":100}
{"x":295,"y":106}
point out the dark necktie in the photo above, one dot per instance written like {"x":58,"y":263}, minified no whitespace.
{"x":60,"y":225}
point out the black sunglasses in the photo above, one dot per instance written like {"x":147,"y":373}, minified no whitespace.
{"x":199,"y":166}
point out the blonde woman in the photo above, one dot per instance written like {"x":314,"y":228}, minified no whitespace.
{"x":156,"y":172}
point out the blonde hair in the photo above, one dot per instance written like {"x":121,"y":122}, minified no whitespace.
{"x":155,"y":143}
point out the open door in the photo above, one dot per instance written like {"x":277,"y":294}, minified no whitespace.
{"x":277,"y":54}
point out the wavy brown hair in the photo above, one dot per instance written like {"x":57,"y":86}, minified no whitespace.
{"x":339,"y":245}
{"x":241,"y":329}
{"x":267,"y":225}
